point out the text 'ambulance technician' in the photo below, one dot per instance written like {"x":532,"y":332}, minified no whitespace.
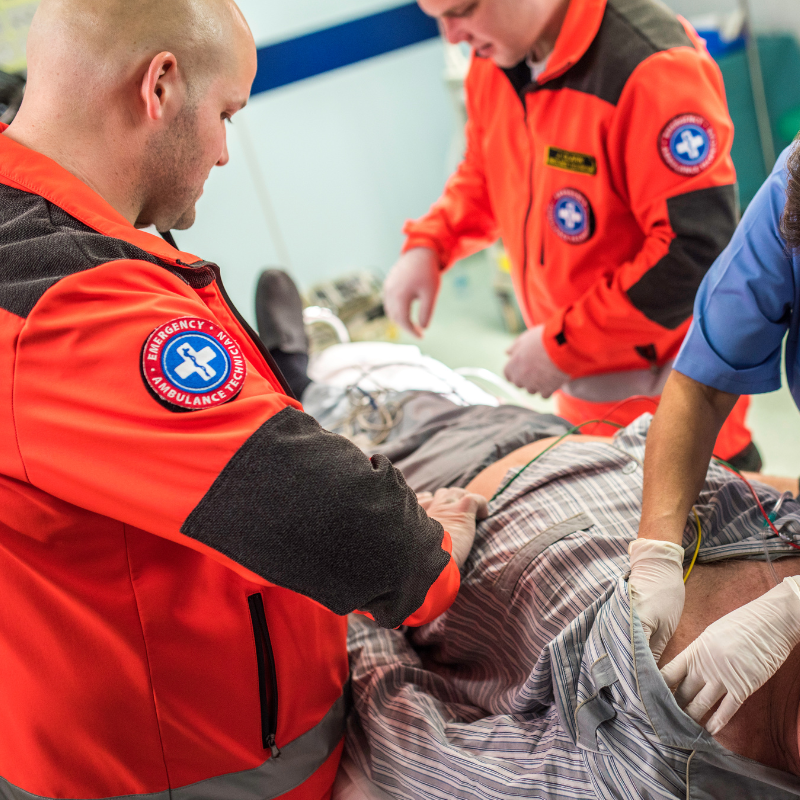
{"x":178,"y":541}
{"x":598,"y":148}
{"x":746,"y":306}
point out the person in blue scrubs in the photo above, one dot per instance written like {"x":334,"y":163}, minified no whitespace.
{"x":745,"y":306}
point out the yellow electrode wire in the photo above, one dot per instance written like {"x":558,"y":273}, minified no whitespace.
{"x":697,"y":549}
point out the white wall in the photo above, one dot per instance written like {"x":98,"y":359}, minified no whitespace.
{"x":338,"y":162}
{"x":768,"y":15}
{"x":345,"y":158}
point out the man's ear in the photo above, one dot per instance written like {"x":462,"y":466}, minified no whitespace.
{"x":161,"y":85}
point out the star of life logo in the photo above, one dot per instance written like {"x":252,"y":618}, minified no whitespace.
{"x":191,"y":364}
{"x":688,"y":144}
{"x":570,"y":215}
{"x":195,"y":363}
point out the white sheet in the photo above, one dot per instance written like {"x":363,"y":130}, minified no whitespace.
{"x":375,"y":366}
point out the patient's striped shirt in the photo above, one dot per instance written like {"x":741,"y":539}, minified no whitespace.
{"x":539,"y":683}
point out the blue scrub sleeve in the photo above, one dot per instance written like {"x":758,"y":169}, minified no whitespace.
{"x":742,"y":309}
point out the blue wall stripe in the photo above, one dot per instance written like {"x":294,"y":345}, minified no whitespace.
{"x":322,"y":51}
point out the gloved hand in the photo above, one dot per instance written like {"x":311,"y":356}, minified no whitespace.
{"x":456,"y":509}
{"x":530,"y":367}
{"x":416,"y":275}
{"x":656,"y":589}
{"x":736,"y":655}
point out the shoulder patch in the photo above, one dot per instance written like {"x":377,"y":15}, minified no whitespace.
{"x":190,"y":363}
{"x":688,"y":144}
{"x":571,"y":216}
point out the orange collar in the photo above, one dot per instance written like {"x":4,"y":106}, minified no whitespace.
{"x":578,"y":31}
{"x":35,"y":173}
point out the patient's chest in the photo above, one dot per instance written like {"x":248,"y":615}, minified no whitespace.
{"x":714,"y":590}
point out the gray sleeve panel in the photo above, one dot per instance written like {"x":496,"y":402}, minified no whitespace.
{"x":703,"y":222}
{"x":307,"y":510}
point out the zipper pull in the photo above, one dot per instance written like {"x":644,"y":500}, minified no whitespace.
{"x":273,"y":748}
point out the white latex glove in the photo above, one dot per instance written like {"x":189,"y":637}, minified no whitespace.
{"x":530,"y":367}
{"x":456,"y":510}
{"x":736,"y":655}
{"x":656,"y":589}
{"x":416,"y":275}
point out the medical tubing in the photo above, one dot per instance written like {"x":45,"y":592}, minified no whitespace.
{"x":773,"y":515}
{"x":768,"y":556}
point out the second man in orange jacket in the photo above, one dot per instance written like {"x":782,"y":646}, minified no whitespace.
{"x":598,"y":149}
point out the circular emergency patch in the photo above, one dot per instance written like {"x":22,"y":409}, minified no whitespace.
{"x":192,"y":363}
{"x":571,"y":217}
{"x":688,"y":144}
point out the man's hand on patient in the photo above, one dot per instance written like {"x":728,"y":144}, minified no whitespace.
{"x":736,"y":655}
{"x":456,"y":510}
{"x":656,"y":589}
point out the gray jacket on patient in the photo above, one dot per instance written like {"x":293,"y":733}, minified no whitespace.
{"x":538,"y":682}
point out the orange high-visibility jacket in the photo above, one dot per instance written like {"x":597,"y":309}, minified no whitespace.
{"x":178,"y":541}
{"x":609,"y":180}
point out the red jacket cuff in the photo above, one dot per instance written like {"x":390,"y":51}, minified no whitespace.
{"x":442,"y":593}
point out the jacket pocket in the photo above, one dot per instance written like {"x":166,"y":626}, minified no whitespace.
{"x":267,"y":677}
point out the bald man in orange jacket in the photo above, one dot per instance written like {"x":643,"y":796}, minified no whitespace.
{"x":179,"y":543}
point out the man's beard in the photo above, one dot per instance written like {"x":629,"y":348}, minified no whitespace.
{"x":169,"y":173}
{"x":186,"y":220}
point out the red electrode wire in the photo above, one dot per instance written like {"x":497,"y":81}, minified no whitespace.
{"x":634,"y":399}
{"x":607,"y":421}
{"x":721,"y":462}
{"x":736,"y":472}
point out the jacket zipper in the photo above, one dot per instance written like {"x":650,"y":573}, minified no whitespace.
{"x":267,"y":677}
{"x":527,"y":211}
{"x":251,"y":333}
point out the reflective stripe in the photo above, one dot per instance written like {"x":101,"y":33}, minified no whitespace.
{"x":613,"y":386}
{"x":298,"y":761}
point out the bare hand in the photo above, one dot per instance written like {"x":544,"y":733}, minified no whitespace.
{"x":456,"y":510}
{"x":530,"y":366}
{"x":416,"y":276}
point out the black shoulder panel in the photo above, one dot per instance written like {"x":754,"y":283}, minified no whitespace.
{"x":703,"y":222}
{"x":631,"y":31}
{"x":307,"y":510}
{"x":40,"y":244}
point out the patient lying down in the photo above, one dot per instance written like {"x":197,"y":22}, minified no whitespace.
{"x":538,"y":682}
